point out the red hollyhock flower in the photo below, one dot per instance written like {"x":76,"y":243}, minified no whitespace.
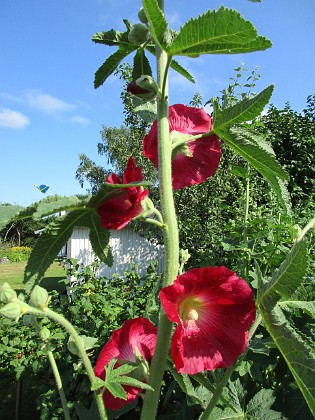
{"x":194,"y":161}
{"x":213,"y":309}
{"x":117,"y":211}
{"x":136,"y":336}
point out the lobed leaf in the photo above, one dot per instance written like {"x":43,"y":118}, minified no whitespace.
{"x":222,"y":31}
{"x":99,"y":238}
{"x":298,"y":354}
{"x":158,"y":23}
{"x":141,"y":65}
{"x":245,"y":110}
{"x":259,"y":154}
{"x":46,"y":208}
{"x":290,"y":273}
{"x":110,"y":64}
{"x":177,"y":67}
{"x":9,"y":214}
{"x":53,"y":239}
{"x":111,"y":38}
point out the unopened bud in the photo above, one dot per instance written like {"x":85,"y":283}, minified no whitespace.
{"x":39,"y":297}
{"x":144,"y":88}
{"x":44,"y":333}
{"x":142,"y":16}
{"x":138,"y":34}
{"x":72,"y":345}
{"x":7,"y":293}
{"x":11,"y":310}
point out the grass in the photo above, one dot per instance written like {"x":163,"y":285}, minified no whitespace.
{"x":13,"y":273}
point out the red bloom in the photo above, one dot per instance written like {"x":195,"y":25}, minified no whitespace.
{"x":194,"y":161}
{"x":117,"y":211}
{"x":135,"y":336}
{"x":213,"y":309}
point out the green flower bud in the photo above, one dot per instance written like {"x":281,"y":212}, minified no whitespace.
{"x":11,"y":310}
{"x":72,"y":345}
{"x":7,"y":293}
{"x":44,"y":333}
{"x":142,"y":16}
{"x":138,"y":34}
{"x":144,"y":88}
{"x":39,"y":297}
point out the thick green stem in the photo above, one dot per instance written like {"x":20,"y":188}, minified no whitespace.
{"x":59,"y":384}
{"x":245,"y":237}
{"x":171,"y":242}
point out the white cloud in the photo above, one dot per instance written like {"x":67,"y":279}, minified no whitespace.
{"x":47,"y":103}
{"x":13,"y":119}
{"x":80,"y":120}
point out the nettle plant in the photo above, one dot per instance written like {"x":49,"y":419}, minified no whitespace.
{"x":207,"y":315}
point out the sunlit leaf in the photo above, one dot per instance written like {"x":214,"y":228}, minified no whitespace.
{"x":158,"y":23}
{"x":141,"y":65}
{"x":222,"y":31}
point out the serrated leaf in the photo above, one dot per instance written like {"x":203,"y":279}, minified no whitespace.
{"x":158,"y":23}
{"x":259,"y":407}
{"x":127,"y":380}
{"x":245,"y":110}
{"x":222,"y":31}
{"x":99,"y":238}
{"x":8,"y":214}
{"x":305,"y":306}
{"x":111,"y":38}
{"x":97,"y":383}
{"x":298,"y":354}
{"x":116,"y":390}
{"x":177,"y":67}
{"x":46,"y":208}
{"x":259,"y":154}
{"x":110,"y":65}
{"x":290,"y":273}
{"x":53,"y":239}
{"x":141,"y":65}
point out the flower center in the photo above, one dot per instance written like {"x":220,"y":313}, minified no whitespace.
{"x":189,"y":309}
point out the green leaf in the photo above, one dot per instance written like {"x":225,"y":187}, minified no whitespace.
{"x":59,"y":203}
{"x":158,"y":23}
{"x":290,"y":274}
{"x":53,"y":239}
{"x":9,"y":214}
{"x":259,"y":154}
{"x":305,"y":306}
{"x":116,"y":390}
{"x":99,"y":238}
{"x":298,"y":354}
{"x":222,"y":31}
{"x":98,"y":383}
{"x":259,"y":407}
{"x":245,"y":110}
{"x":111,"y":38}
{"x":177,"y":67}
{"x":141,"y":65}
{"x":146,"y":110}
{"x":110,"y":65}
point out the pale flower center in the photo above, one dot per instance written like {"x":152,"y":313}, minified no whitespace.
{"x":189,"y":309}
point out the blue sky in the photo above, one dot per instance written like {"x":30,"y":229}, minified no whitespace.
{"x":50,"y":112}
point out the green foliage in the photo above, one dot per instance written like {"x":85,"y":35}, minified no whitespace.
{"x":221,"y":31}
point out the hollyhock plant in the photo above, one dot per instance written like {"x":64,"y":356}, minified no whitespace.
{"x":134,"y":342}
{"x":213,"y":309}
{"x":195,"y":160}
{"x":117,"y":212}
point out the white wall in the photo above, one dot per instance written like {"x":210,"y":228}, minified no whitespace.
{"x":126,"y":247}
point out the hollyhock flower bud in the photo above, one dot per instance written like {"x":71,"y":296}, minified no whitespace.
{"x":144,"y":88}
{"x":44,"y":333}
{"x":11,"y":310}
{"x":142,"y":16}
{"x":7,"y":293}
{"x":39,"y":297}
{"x":138,"y":34}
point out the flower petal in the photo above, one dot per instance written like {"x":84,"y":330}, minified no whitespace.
{"x":214,"y":309}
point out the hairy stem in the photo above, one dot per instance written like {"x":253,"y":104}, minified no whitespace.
{"x":171,"y":241}
{"x":55,"y":370}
